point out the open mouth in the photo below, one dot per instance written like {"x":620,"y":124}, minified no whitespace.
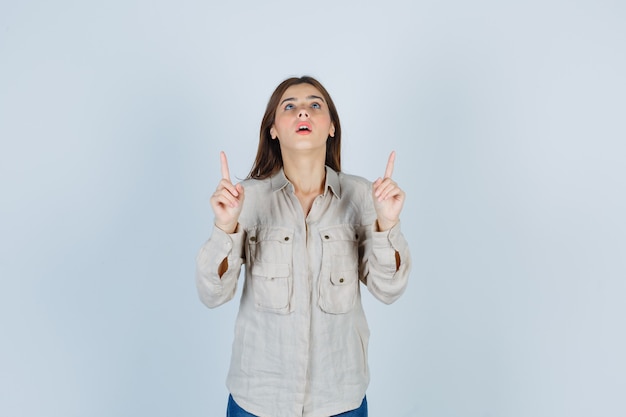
{"x":304,"y":128}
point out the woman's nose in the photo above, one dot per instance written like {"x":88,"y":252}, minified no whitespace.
{"x":303,"y":113}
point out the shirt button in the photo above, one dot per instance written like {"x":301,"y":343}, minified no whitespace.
{"x":286,"y":238}
{"x":341,"y":280}
{"x":326,"y":237}
{"x":252,"y":238}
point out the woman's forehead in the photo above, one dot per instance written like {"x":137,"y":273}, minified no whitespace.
{"x":301,"y":91}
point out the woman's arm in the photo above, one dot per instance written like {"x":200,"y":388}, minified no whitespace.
{"x":386,"y":256}
{"x":219,"y":262}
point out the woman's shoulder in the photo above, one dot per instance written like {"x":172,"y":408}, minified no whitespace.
{"x":353,"y":180}
{"x":254,"y":184}
{"x":354,"y":187}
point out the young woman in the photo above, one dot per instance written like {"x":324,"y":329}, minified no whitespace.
{"x":308,"y":234}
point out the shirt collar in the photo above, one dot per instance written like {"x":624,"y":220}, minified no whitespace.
{"x":332,"y":182}
{"x":280,"y":181}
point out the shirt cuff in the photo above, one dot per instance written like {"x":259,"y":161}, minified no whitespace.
{"x":388,"y":238}
{"x":231,"y":244}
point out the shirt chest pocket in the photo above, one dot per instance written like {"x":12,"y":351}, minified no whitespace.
{"x":269,"y":259}
{"x":339,"y":278}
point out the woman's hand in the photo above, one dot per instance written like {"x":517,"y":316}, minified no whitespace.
{"x":227,"y":200}
{"x":388,"y":198}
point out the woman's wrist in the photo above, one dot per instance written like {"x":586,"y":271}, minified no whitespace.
{"x":384,"y":225}
{"x":229,"y":228}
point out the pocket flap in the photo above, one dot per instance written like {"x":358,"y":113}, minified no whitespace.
{"x":338,"y":233}
{"x":275,"y":234}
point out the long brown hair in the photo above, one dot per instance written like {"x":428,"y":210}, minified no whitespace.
{"x":269,"y":159}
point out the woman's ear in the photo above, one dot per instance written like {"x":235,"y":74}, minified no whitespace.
{"x":273,"y":133}
{"x":331,"y":131}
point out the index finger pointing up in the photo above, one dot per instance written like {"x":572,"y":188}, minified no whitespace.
{"x":390,"y":162}
{"x":224,"y":164}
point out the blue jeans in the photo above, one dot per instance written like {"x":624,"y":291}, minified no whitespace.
{"x":234,"y":410}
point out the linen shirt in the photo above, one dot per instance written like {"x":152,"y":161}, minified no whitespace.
{"x":301,"y":336}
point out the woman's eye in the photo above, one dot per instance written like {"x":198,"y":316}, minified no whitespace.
{"x":316,"y":106}
{"x":289,"y":106}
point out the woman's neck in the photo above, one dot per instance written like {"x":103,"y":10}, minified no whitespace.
{"x":308,"y":175}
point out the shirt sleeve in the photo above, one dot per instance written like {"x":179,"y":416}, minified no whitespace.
{"x":386,"y":263}
{"x":213,"y":289}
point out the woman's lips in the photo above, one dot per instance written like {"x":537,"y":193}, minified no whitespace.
{"x":303,"y":128}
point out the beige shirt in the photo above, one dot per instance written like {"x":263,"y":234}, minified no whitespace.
{"x":301,"y":336}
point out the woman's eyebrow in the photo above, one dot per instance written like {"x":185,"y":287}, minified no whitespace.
{"x":315,"y":97}
{"x":312,"y":97}
{"x":287,"y":99}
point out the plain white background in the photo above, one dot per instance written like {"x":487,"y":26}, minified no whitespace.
{"x":508,"y":120}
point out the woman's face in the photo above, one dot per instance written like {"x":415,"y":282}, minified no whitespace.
{"x":302,"y":119}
